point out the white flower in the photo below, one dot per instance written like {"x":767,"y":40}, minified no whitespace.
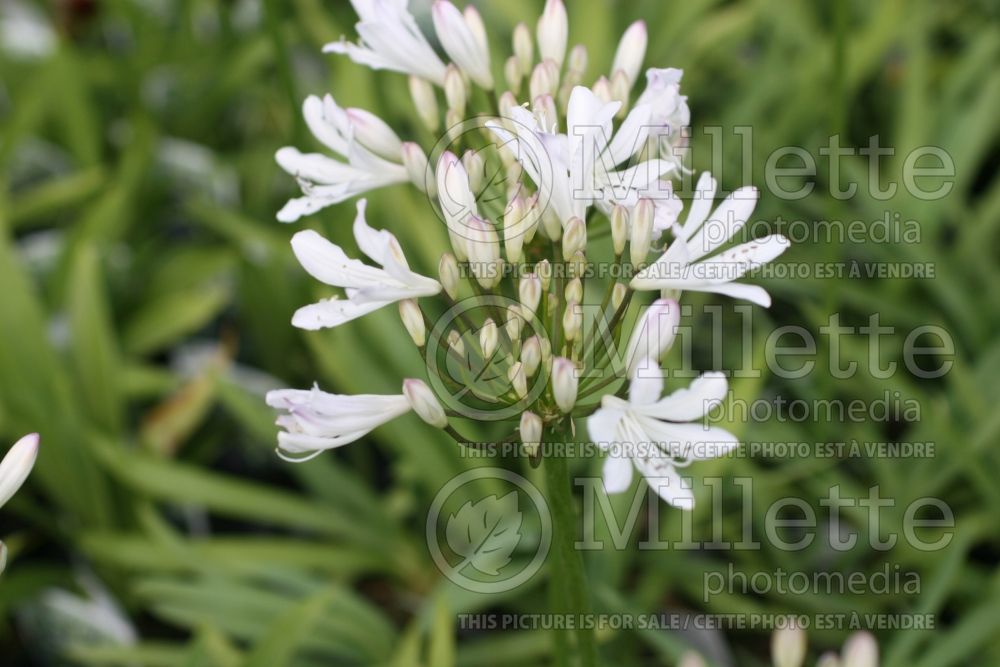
{"x":578,"y":169}
{"x":317,"y":421}
{"x":372,"y":151}
{"x":670,"y":112}
{"x":653,"y":334}
{"x":679,"y":267}
{"x":16,"y":465}
{"x":655,"y":434}
{"x":464,"y":40}
{"x":390,"y":39}
{"x":368,"y":288}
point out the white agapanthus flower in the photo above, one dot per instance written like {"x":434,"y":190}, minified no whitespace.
{"x":390,"y":39}
{"x":16,"y":466}
{"x":659,"y":435}
{"x":683,"y":267}
{"x":315,"y":421}
{"x":368,"y":288}
{"x":562,"y":155}
{"x":370,"y":150}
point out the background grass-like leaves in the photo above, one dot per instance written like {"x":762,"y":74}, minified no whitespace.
{"x":146,"y":292}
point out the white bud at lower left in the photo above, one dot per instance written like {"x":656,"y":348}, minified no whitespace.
{"x":424,"y":402}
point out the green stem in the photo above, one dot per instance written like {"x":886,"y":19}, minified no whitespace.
{"x":567,"y":579}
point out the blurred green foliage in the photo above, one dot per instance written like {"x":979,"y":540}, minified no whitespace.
{"x":146,"y":292}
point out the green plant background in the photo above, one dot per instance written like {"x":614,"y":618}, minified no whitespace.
{"x":146,"y":292}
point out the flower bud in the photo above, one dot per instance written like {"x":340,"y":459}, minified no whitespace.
{"x":374,"y":133}
{"x":578,"y":61}
{"x":448,"y":274}
{"x":544,"y":108}
{"x":454,"y":90}
{"x":551,"y":225}
{"x":553,"y":31}
{"x":456,"y":343}
{"x":618,"y":293}
{"x":416,"y":165}
{"x":515,"y":322}
{"x":484,"y":252}
{"x":425,"y":102}
{"x":642,"y":231}
{"x":574,"y":237}
{"x":574,"y":290}
{"x":531,"y":355}
{"x":602,"y":88}
{"x":531,"y":432}
{"x":619,"y":228}
{"x":530,"y":292}
{"x":542,"y":81}
{"x":788,"y":646}
{"x":564,"y":383}
{"x":631,"y":52}
{"x":512,"y":75}
{"x":475,"y":167}
{"x":413,"y":320}
{"x":524,"y":48}
{"x":424,"y":402}
{"x":578,"y":264}
{"x":691,"y":659}
{"x":489,"y":337}
{"x":860,"y":650}
{"x":517,"y":378}
{"x":515,"y":228}
{"x":620,"y":92}
{"x":653,"y":333}
{"x":16,"y":465}
{"x":544,"y":272}
{"x":572,"y":320}
{"x":546,"y":353}
{"x":507,"y":102}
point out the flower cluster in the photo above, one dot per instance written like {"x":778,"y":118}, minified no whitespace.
{"x":537,"y":177}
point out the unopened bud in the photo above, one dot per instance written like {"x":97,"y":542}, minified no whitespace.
{"x":572,"y":320}
{"x":415,"y":161}
{"x":530,"y":292}
{"x":642,"y":231}
{"x":484,"y":252}
{"x":453,"y":122}
{"x":475,"y":167}
{"x":544,"y":108}
{"x":517,"y":378}
{"x":524,"y":48}
{"x":424,"y":402}
{"x":546,"y":353}
{"x":578,"y":264}
{"x":618,"y":293}
{"x":489,"y":337}
{"x":507,"y":102}
{"x":425,"y":102}
{"x":551,"y":226}
{"x":515,"y":226}
{"x":860,"y":650}
{"x":531,"y":432}
{"x":454,"y":90}
{"x":515,"y":322}
{"x":544,"y":272}
{"x":574,"y":237}
{"x":578,"y":61}
{"x":512,"y":75}
{"x":553,"y":31}
{"x":574,"y":290}
{"x":620,"y":91}
{"x":564,"y":383}
{"x":691,"y":659}
{"x":788,"y":645}
{"x":544,"y":79}
{"x":531,"y":356}
{"x":602,"y":88}
{"x":413,"y":320}
{"x":631,"y":52}
{"x":16,"y":465}
{"x":619,"y":228}
{"x":448,"y":274}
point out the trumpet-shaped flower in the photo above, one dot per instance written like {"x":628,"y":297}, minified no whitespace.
{"x":372,"y":151}
{"x":464,"y":40}
{"x":580,"y":168}
{"x":390,"y":39}
{"x":657,"y":435}
{"x":315,"y":421}
{"x":682,"y":267}
{"x":368,"y":288}
{"x":16,"y":465}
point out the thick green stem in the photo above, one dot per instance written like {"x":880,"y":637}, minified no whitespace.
{"x":567,"y":581}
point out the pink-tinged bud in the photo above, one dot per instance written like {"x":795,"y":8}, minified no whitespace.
{"x":531,"y":432}
{"x":553,"y":31}
{"x":16,"y":465}
{"x":631,"y":52}
{"x":424,"y":402}
{"x":564,"y":383}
